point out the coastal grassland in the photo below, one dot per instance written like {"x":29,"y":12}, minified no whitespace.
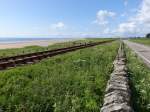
{"x":145,"y":41}
{"x":73,"y":82}
{"x":32,"y":49}
{"x":140,"y":81}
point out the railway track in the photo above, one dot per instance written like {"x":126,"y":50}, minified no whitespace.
{"x":19,"y":60}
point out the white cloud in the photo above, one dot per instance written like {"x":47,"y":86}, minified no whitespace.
{"x":125,"y":2}
{"x":124,"y":14}
{"x":103,"y":17}
{"x":106,"y":31}
{"x":59,"y":25}
{"x":139,"y":23}
{"x":128,"y":28}
{"x":143,"y":15}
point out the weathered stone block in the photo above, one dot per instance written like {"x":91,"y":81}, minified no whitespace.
{"x":118,"y":93}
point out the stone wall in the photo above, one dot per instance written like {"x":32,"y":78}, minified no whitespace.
{"x":118,"y":94}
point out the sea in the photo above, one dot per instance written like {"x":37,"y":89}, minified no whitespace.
{"x":19,"y":40}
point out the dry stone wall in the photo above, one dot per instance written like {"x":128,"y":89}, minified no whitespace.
{"x":118,"y":94}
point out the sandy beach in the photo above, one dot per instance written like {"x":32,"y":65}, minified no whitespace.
{"x":31,"y":43}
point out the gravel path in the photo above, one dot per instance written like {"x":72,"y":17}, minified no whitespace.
{"x":142,"y":51}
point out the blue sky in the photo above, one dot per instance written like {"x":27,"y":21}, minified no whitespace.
{"x":46,"y":18}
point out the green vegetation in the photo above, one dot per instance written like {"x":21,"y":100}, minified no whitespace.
{"x":31,"y":49}
{"x":140,"y":80}
{"x":148,"y":35}
{"x":73,"y":82}
{"x":145,"y":41}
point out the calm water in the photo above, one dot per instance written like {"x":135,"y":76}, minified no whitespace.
{"x":18,"y":40}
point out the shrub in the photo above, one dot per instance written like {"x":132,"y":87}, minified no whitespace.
{"x":148,"y":35}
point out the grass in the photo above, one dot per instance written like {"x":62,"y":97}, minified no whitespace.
{"x":73,"y":82}
{"x":31,"y":49}
{"x":145,"y":41}
{"x":140,"y":81}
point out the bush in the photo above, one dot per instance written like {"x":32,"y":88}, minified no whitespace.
{"x":148,"y":35}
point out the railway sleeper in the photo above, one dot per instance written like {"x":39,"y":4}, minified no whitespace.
{"x":5,"y":65}
{"x":50,"y":51}
{"x":10,"y":62}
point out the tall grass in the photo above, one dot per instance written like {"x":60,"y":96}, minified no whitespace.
{"x":140,"y":80}
{"x":145,"y":41}
{"x":73,"y":82}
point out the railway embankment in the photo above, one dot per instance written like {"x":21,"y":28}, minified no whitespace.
{"x":11,"y":62}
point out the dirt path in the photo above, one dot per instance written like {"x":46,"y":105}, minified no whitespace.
{"x":142,"y":51}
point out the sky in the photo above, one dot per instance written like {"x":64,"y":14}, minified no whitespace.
{"x":77,"y":18}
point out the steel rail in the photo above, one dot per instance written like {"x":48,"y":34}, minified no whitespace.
{"x":13,"y":61}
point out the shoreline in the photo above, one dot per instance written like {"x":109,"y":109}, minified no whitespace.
{"x":42,"y":43}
